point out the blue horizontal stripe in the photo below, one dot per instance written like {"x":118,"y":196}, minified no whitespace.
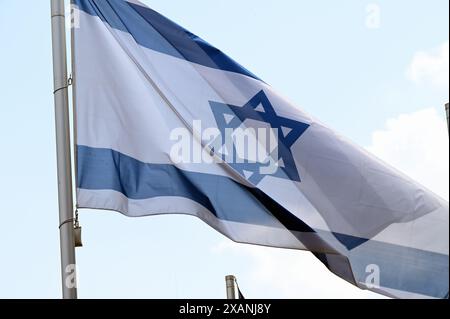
{"x":154,"y":31}
{"x":100,"y":169}
{"x":402,"y":268}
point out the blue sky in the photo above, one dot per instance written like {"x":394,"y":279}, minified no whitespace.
{"x":382,"y":87}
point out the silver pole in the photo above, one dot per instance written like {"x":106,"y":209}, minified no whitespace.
{"x":446,"y":110}
{"x":65,"y":196}
{"x":231,"y":287}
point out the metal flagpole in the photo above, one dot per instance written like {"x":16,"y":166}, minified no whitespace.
{"x":65,"y":195}
{"x":447,"y":111}
{"x":231,"y":287}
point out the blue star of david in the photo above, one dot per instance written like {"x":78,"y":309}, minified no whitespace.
{"x":289,"y":131}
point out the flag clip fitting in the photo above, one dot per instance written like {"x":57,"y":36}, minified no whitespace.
{"x":77,"y":232}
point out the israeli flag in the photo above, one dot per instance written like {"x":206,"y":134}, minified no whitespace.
{"x":168,"y":124}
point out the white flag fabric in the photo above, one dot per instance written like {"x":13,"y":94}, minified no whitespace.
{"x":168,"y":124}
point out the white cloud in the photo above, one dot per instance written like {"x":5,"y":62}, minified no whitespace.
{"x":431,"y":67}
{"x":417,"y":144}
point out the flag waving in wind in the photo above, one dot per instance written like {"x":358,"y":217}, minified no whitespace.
{"x":167,"y":123}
